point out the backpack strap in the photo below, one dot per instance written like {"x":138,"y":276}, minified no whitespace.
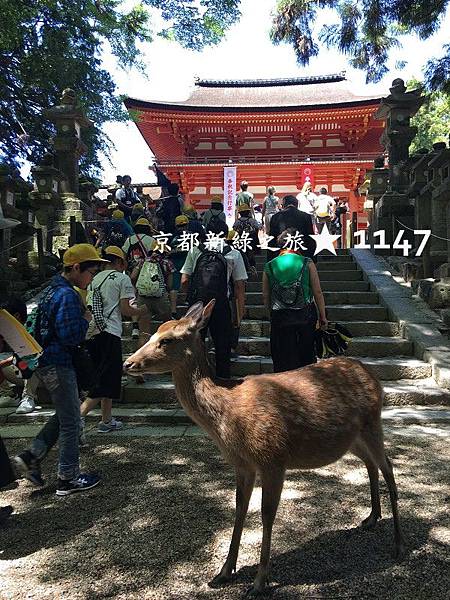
{"x":142,"y":245}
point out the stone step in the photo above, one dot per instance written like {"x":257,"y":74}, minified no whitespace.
{"x":358,"y":346}
{"x":386,"y":368}
{"x":396,"y":410}
{"x":337,"y":265}
{"x":340,"y":267}
{"x":348,"y":312}
{"x":327,"y":286}
{"x":331,"y":297}
{"x":356,"y":312}
{"x":344,"y":275}
{"x":330,"y":257}
{"x":375,"y":346}
{"x":257,"y":328}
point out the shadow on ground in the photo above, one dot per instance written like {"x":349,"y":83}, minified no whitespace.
{"x":158,"y":527}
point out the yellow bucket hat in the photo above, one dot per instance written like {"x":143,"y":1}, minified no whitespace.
{"x":143,"y":221}
{"x":181,"y":220}
{"x":115,"y":251}
{"x":80,"y":253}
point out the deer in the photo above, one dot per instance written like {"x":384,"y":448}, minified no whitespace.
{"x":265,"y":424}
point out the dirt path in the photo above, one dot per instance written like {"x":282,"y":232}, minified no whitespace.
{"x":158,"y":527}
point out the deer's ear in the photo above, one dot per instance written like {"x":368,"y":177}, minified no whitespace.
{"x":199,"y":315}
{"x":207,"y":311}
{"x":195,"y":313}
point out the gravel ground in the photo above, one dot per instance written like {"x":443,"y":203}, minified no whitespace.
{"x":158,"y":527}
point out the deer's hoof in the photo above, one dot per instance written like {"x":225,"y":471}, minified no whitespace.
{"x":220,"y":580}
{"x":256,"y":592}
{"x":399,"y":551}
{"x":370,"y":522}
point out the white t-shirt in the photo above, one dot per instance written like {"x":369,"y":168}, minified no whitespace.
{"x":324,"y":205}
{"x":235,"y":264}
{"x":115,"y":288}
{"x":306,"y":202}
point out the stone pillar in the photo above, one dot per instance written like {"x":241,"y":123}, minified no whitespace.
{"x":68,"y":146}
{"x":397,"y":110}
{"x":439,"y":176}
{"x":45,"y":199}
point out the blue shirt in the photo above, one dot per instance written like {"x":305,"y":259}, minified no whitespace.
{"x":62,"y":325}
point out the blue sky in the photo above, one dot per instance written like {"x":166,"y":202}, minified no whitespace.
{"x":246,"y":52}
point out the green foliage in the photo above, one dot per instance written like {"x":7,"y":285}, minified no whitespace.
{"x":49,"y":45}
{"x":432,"y":119}
{"x":365,"y":30}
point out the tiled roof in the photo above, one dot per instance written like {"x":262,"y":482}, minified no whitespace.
{"x":264,"y":94}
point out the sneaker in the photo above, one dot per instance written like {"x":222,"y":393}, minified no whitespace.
{"x":84,"y":481}
{"x":113,"y":425}
{"x":26,"y":406}
{"x":135,"y":332}
{"x":29,"y":467}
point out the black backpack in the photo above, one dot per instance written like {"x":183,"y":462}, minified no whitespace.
{"x":210,"y":277}
{"x":214,"y":222}
{"x":116,"y":236}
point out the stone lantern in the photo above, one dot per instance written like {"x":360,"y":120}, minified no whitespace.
{"x":68,"y":146}
{"x":397,"y":110}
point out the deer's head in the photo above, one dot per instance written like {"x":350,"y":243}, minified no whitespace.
{"x":172,"y":344}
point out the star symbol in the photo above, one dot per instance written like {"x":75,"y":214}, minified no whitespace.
{"x":324,"y":241}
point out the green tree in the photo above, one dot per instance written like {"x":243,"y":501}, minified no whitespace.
{"x":49,"y":45}
{"x":365,"y":30}
{"x":432,"y":119}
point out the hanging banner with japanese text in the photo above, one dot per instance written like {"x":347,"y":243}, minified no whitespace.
{"x":229,"y":194}
{"x":307,"y":175}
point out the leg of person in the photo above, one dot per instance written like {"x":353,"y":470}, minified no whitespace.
{"x":173,"y":303}
{"x":110,"y":385}
{"x":134,"y":328}
{"x":283,"y":342}
{"x":221,"y":331}
{"x":95,"y":347}
{"x":28,"y":463}
{"x":161,"y":308}
{"x":29,"y":396}
{"x":62,"y":384}
{"x":305,"y":347}
{"x":7,"y":475}
{"x":145,"y":320}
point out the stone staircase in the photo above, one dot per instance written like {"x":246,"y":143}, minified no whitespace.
{"x":407,"y":381}
{"x":351,"y":301}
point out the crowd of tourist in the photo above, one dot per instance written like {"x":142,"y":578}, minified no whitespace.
{"x":136,"y":272}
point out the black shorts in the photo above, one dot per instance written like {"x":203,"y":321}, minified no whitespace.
{"x":106,"y":352}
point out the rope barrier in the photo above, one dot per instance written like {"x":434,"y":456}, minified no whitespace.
{"x":431,"y":234}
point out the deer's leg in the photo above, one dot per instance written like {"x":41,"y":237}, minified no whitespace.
{"x":360,"y":450}
{"x":388,"y":474}
{"x":272,"y":485}
{"x":245,"y":480}
{"x":375,"y":444}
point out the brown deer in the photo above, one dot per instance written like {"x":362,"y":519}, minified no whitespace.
{"x":265,"y":424}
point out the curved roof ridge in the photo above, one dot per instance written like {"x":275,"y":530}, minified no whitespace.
{"x":305,"y":80}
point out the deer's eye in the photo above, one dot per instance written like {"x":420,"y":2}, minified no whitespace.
{"x":165,"y":341}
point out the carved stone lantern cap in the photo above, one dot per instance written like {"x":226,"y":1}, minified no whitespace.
{"x":68,"y":109}
{"x":398,"y":87}
{"x":69,"y":97}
